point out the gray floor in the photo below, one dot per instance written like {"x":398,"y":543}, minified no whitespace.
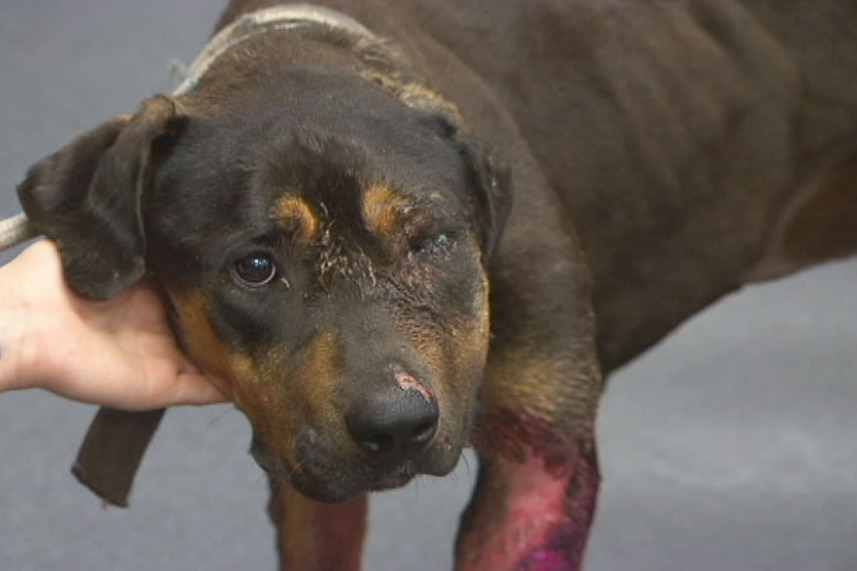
{"x":731,"y":447}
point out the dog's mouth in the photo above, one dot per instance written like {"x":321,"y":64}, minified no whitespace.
{"x":323,"y":474}
{"x":395,"y":478}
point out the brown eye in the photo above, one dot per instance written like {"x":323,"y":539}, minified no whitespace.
{"x":255,"y":270}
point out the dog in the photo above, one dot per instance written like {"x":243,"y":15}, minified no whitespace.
{"x":389,"y":230}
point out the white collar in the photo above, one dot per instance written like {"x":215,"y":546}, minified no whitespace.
{"x":275,"y":18}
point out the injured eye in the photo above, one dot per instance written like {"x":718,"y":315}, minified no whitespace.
{"x":255,"y":270}
{"x":438,"y":244}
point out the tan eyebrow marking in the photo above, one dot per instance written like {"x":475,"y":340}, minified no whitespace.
{"x":293,"y":214}
{"x":383,"y":208}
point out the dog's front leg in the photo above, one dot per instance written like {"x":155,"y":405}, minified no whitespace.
{"x":538,"y":477}
{"x":535,"y":494}
{"x":313,"y":536}
{"x":531,"y":512}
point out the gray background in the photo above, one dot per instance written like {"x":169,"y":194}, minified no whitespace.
{"x":733,"y":446}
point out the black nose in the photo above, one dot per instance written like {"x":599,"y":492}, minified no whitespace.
{"x":394,"y":422}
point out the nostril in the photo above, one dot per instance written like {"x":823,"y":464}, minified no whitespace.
{"x":423,"y":433}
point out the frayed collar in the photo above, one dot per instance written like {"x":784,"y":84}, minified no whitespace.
{"x":253,"y":24}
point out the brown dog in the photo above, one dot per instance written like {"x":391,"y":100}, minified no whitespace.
{"x":328,"y":202}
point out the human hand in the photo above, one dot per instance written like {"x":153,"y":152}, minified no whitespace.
{"x":119,"y":353}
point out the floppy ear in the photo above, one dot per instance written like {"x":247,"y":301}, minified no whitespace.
{"x":489,"y":184}
{"x":87,"y":198}
{"x":492,"y":196}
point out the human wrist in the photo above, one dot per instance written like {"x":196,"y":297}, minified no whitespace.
{"x":19,"y":323}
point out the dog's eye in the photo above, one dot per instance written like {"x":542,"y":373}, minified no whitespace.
{"x":255,"y":270}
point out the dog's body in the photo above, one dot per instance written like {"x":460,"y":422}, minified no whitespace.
{"x":325,"y":211}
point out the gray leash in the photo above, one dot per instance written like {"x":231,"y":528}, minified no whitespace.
{"x":15,"y":230}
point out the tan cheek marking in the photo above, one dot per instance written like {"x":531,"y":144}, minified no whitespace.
{"x":251,"y":384}
{"x":200,"y":342}
{"x":319,"y":372}
{"x":233,"y":373}
{"x":276,"y":414}
{"x":294,"y":215}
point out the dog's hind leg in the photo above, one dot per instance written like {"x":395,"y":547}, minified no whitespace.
{"x":313,"y":536}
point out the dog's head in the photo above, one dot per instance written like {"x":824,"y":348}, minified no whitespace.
{"x":323,"y":253}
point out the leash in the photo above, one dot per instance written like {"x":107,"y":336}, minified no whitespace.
{"x":18,"y":229}
{"x":15,"y":230}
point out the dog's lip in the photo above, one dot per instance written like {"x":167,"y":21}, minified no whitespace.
{"x":264,"y":462}
{"x":386,"y":478}
{"x":394,"y":477}
{"x":260,"y":459}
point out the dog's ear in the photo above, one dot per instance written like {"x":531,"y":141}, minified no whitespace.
{"x":490,"y":183}
{"x":492,"y":200}
{"x":87,"y":197}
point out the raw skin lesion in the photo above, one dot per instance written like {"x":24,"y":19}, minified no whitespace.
{"x":535,"y":497}
{"x":533,"y":507}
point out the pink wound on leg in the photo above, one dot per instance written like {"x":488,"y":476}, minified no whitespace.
{"x":534,"y":504}
{"x":547,"y":518}
{"x":562,"y":547}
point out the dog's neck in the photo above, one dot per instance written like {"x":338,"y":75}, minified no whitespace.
{"x":274,"y":19}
